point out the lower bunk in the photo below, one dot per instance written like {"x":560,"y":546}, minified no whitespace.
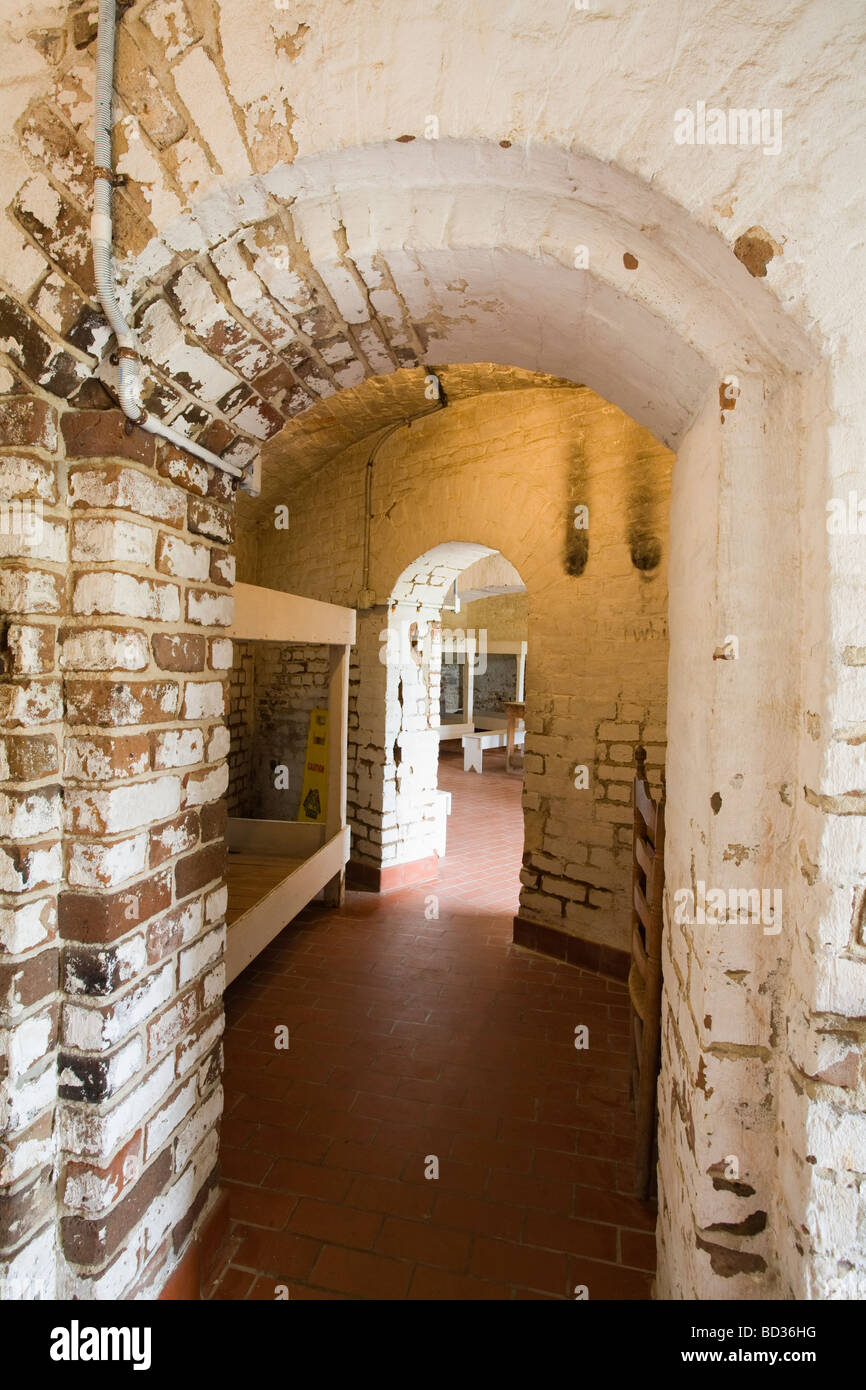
{"x":274,"y":869}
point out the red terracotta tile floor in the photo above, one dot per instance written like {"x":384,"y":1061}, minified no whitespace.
{"x":412,"y":1036}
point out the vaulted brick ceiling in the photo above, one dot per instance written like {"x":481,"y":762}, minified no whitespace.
{"x":311,"y":439}
{"x":261,"y":283}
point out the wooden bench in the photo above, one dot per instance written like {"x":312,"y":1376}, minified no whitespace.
{"x":475,"y":744}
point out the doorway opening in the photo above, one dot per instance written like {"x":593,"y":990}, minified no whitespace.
{"x":457,"y":655}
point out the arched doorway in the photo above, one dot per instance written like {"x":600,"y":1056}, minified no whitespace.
{"x":420,"y":654}
{"x":717,"y":372}
{"x":662,"y":334}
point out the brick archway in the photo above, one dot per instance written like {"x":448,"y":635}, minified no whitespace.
{"x":349,"y":290}
{"x":413,"y":669}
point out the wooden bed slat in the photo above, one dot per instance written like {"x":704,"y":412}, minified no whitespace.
{"x":645,"y":973}
{"x":251,"y":876}
{"x":639,"y":956}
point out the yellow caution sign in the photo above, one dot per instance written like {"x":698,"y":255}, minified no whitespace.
{"x":314,"y":793}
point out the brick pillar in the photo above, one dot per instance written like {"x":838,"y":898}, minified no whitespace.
{"x":393,"y":748}
{"x":732,"y":788}
{"x":141,"y":911}
{"x":370,"y":790}
{"x":412,"y":733}
{"x":32,"y":602}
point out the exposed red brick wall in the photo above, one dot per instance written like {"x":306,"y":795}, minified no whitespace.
{"x":112,"y":778}
{"x":33,"y":601}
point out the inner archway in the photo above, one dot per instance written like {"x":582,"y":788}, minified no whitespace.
{"x":429,"y":660}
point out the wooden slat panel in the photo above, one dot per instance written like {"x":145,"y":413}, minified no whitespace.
{"x":645,"y":975}
{"x":641,"y":907}
{"x":638,"y":954}
{"x":636,"y":994}
{"x":644,"y":855}
{"x":646,"y":806}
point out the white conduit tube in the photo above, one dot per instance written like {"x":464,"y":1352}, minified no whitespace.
{"x":101,"y":234}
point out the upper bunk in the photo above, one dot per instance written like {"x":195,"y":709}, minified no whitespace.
{"x":276,"y":867}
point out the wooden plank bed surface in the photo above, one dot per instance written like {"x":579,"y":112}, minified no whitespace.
{"x":267,"y":891}
{"x":251,"y":877}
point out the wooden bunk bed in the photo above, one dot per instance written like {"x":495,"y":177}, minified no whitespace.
{"x":469,"y":721}
{"x":276,"y":867}
{"x":480,"y":731}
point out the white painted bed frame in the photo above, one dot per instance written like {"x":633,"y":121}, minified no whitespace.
{"x":268,"y":615}
{"x":472,"y":723}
